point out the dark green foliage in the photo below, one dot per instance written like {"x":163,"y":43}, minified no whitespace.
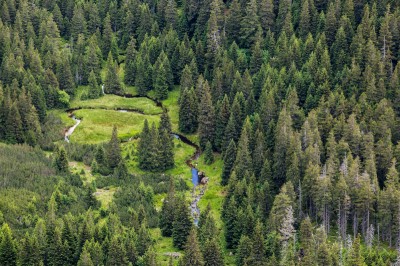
{"x":112,"y":84}
{"x":229,"y":160}
{"x":206,"y":118}
{"x":160,"y":83}
{"x":182,"y":223}
{"x":155,"y":149}
{"x":94,"y":88}
{"x":8,"y":249}
{"x":61,"y":160}
{"x":212,"y":253}
{"x":318,"y":81}
{"x":130,"y":63}
{"x":188,"y":112}
{"x":193,"y":255}
{"x":113,"y":151}
{"x":168,"y":211}
{"x":208,"y":154}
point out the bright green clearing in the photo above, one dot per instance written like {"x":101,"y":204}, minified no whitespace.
{"x":105,"y":196}
{"x":144,"y":105}
{"x":97,"y":125}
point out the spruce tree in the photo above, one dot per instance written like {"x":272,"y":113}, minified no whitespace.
{"x":229,"y":160}
{"x":208,"y":154}
{"x":85,"y":259}
{"x":193,"y":255}
{"x":165,"y":150}
{"x":160,"y":83}
{"x":8,"y":248}
{"x":212,"y":253}
{"x":61,"y":160}
{"x":206,"y":118}
{"x":116,"y":253}
{"x":167,"y":211}
{"x":188,"y":112}
{"x":94,"y":88}
{"x":112,"y":83}
{"x":165,"y":122}
{"x":113,"y":151}
{"x":130,"y":63}
{"x":250,"y":24}
{"x":144,"y":148}
{"x":182,"y":223}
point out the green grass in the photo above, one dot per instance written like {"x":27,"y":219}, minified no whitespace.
{"x":84,"y":171}
{"x":162,"y":246}
{"x":105,"y":196}
{"x":112,"y":102}
{"x":96,"y":125}
{"x":65,"y":119}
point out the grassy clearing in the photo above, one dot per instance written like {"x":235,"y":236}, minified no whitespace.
{"x":112,"y":102}
{"x":96,"y":125}
{"x":84,"y":171}
{"x":163,"y":246}
{"x":105,"y":196}
{"x":65,"y":119}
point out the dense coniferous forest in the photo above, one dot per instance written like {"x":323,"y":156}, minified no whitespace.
{"x":291,"y":108}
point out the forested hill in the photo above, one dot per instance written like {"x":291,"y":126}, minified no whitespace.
{"x":294,"y":106}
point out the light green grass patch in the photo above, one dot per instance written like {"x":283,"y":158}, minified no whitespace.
{"x":163,"y":246}
{"x":65,"y":119}
{"x":105,"y":196}
{"x":144,"y":105}
{"x":97,"y":125}
{"x":84,"y":171}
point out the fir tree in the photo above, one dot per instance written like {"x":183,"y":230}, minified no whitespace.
{"x":166,"y":150}
{"x":144,"y":148}
{"x":8,"y":248}
{"x":250,"y":24}
{"x":188,"y":112}
{"x":208,"y":154}
{"x":85,"y":259}
{"x":61,"y":160}
{"x":130,"y":63}
{"x":160,"y":84}
{"x":94,"y":88}
{"x":212,"y":253}
{"x":193,"y":255}
{"x":182,"y":223}
{"x":229,"y":160}
{"x":112,"y":83}
{"x":167,"y":211}
{"x":113,"y":151}
{"x":206,"y":118}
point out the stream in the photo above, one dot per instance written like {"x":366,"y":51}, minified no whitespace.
{"x":71,"y":129}
{"x":196,"y":193}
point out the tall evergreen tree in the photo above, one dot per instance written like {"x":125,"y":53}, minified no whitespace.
{"x":193,"y":255}
{"x":8,"y":248}
{"x":113,"y":151}
{"x":112,"y":83}
{"x":206,"y":118}
{"x":61,"y":160}
{"x":182,"y":223}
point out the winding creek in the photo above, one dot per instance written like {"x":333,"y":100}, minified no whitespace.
{"x":196,"y":193}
